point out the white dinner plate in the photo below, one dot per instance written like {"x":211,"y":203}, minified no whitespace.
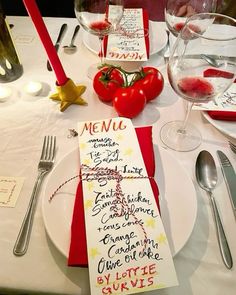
{"x":157,"y":39}
{"x":226,"y":127}
{"x":178,"y":200}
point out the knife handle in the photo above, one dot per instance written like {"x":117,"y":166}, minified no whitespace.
{"x":222,"y":241}
{"x":57,"y":44}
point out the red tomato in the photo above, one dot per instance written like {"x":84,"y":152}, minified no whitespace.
{"x":152,"y":83}
{"x":106,"y":82}
{"x":129,"y":101}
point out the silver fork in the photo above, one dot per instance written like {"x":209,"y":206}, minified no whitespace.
{"x":44,"y":166}
{"x":232,"y":147}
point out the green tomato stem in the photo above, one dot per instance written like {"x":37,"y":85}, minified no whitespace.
{"x":136,"y":74}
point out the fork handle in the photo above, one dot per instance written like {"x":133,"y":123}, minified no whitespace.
{"x":22,"y":240}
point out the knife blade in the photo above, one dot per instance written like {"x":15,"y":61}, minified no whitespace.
{"x":58,"y":42}
{"x":230,"y":178}
{"x":167,"y":47}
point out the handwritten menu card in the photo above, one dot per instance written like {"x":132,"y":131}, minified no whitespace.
{"x":130,"y":43}
{"x":128,"y":250}
{"x":225,"y":102}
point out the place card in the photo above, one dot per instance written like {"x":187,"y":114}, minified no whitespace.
{"x":10,"y":188}
{"x":225,"y":102}
{"x":131,"y":43}
{"x":24,"y":39}
{"x":127,"y":247}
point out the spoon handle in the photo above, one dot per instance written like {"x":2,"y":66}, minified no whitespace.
{"x":222,"y":241}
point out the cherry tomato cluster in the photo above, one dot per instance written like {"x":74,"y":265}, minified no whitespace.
{"x":129,"y":96}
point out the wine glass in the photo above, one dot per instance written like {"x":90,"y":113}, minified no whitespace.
{"x":206,"y":37}
{"x":100,"y":18}
{"x":177,"y":12}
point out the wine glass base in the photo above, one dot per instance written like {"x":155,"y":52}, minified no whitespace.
{"x":175,"y":138}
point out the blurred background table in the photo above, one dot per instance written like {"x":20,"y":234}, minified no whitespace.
{"x":24,"y":121}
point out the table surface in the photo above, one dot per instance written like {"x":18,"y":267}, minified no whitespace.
{"x":24,"y":121}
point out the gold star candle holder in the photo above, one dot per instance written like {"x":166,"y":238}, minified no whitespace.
{"x":69,"y":94}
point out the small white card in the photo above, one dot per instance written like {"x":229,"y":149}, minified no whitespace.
{"x":128,"y":251}
{"x":130,"y":43}
{"x":24,"y":39}
{"x":10,"y":188}
{"x":225,"y":102}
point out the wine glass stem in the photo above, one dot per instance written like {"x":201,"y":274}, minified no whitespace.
{"x":189,"y":108}
{"x":101,"y":38}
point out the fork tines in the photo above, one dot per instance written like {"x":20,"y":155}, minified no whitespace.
{"x":49,"y":148}
{"x":232,"y":147}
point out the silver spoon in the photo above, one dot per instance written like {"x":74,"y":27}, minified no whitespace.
{"x":212,"y":61}
{"x":206,"y":175}
{"x":72,"y":48}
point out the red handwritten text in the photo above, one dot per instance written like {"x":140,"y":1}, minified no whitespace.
{"x":103,"y":126}
{"x":133,"y":277}
{"x":126,"y":56}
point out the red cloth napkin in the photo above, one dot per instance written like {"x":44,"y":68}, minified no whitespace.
{"x":220,"y":115}
{"x":146,"y":32}
{"x":78,"y":247}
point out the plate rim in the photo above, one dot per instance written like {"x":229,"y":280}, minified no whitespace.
{"x":214,"y":123}
{"x":161,"y":152}
{"x":85,"y":33}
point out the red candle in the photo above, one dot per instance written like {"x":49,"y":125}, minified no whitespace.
{"x":37,"y":19}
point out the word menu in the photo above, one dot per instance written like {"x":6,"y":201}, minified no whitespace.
{"x":127,"y":247}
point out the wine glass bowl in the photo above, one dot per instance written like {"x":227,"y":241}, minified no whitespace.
{"x":177,"y":12}
{"x":188,"y":71}
{"x":100,"y":18}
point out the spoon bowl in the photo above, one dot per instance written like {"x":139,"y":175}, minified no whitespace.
{"x":206,"y":175}
{"x":70,"y":49}
{"x":211,"y":60}
{"x":206,"y":172}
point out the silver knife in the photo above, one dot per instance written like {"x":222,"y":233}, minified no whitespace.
{"x":216,"y":57}
{"x":58,"y":42}
{"x":230,"y":178}
{"x":167,"y":48}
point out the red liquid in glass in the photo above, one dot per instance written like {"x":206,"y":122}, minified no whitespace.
{"x":100,"y":26}
{"x":179,"y":26}
{"x":196,"y":87}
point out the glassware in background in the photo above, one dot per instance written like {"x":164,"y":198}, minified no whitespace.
{"x":10,"y":66}
{"x":177,"y":12}
{"x":204,"y":35}
{"x":99,"y":18}
{"x":154,"y":8}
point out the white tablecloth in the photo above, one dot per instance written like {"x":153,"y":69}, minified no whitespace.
{"x":25,"y":120}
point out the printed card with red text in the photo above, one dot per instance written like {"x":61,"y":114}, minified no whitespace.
{"x":128,"y":251}
{"x":131,"y":43}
